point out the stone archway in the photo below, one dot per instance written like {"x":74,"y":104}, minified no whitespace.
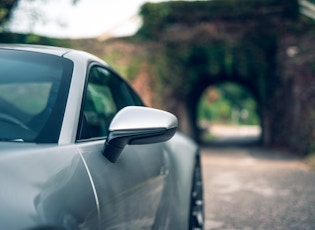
{"x":202,"y":63}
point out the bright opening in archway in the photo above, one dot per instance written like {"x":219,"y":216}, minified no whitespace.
{"x":228,"y":112}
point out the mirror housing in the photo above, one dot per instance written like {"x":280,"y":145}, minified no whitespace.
{"x":136,"y":125}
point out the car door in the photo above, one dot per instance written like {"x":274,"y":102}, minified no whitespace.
{"x":128,"y":191}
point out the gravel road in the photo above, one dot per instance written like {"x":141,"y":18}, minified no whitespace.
{"x":253,"y":188}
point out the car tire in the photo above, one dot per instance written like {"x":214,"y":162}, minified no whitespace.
{"x":196,"y":221}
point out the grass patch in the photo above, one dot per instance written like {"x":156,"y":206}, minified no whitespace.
{"x":207,"y":137}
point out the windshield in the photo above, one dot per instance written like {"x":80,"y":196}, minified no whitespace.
{"x":33,"y":94}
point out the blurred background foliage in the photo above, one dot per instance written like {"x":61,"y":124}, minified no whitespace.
{"x":158,"y":16}
{"x":228,"y":103}
{"x":6,"y":10}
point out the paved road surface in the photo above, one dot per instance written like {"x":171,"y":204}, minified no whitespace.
{"x":252,"y":188}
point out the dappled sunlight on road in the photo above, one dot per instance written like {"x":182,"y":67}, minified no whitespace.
{"x":235,"y":135}
{"x":226,"y":131}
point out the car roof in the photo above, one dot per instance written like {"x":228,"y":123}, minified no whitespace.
{"x":59,"y":51}
{"x":72,"y":54}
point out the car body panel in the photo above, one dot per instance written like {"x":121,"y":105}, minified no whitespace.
{"x":182,"y":154}
{"x":41,"y":186}
{"x":122,"y":188}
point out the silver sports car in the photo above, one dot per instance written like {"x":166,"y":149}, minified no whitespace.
{"x":79,"y":150}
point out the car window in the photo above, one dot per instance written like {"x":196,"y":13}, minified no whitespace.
{"x":30,"y":85}
{"x":37,"y":92}
{"x":105,"y":94}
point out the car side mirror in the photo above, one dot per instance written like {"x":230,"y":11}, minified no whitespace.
{"x":136,"y":125}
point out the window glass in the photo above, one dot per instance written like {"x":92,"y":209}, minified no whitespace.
{"x":36,"y":92}
{"x":30,"y":85}
{"x":105,"y":95}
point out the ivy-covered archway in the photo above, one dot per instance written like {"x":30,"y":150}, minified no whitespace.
{"x":189,"y":66}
